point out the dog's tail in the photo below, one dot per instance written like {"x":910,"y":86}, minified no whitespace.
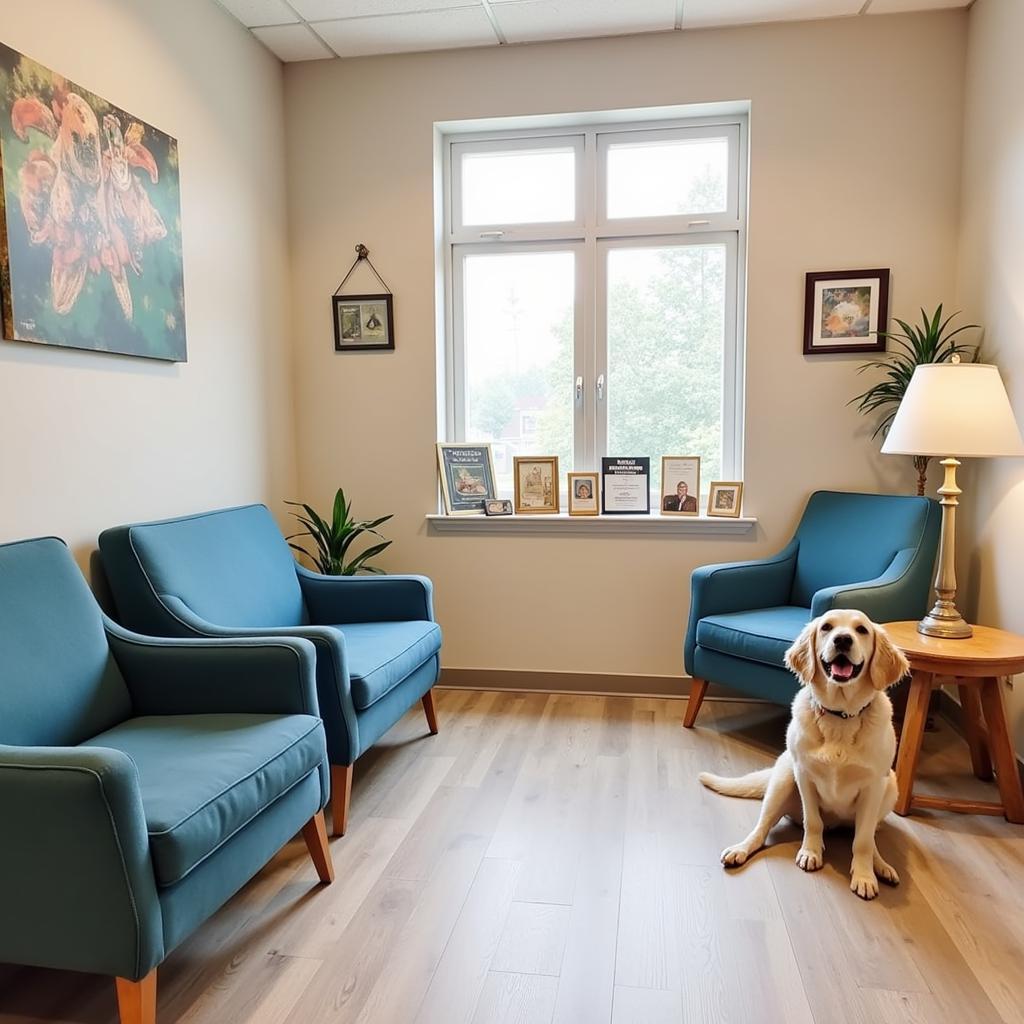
{"x":752,"y":786}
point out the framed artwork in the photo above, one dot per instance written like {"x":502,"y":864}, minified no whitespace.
{"x":680,"y":485}
{"x":584,"y":494}
{"x":363,"y":323}
{"x":467,"y":477}
{"x":844,"y":310}
{"x":536,"y":479}
{"x":725,"y":498}
{"x":90,"y":220}
{"x":626,"y":486}
{"x":497,"y":507}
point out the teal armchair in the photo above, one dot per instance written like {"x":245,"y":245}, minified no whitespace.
{"x":872,"y":552}
{"x":142,"y":781}
{"x":230,"y":573}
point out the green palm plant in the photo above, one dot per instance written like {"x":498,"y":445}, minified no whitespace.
{"x":916,"y":345}
{"x":332,"y":539}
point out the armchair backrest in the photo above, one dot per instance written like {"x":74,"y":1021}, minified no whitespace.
{"x":849,"y":538}
{"x":231,"y":567}
{"x":59,"y":683}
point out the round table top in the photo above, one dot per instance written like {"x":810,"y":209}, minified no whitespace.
{"x":989,"y":652}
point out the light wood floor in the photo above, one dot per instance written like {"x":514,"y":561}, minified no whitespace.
{"x":553,"y":859}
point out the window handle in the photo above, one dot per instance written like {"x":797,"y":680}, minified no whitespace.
{"x":492,"y":234}
{"x":579,"y":389}
{"x":600,"y":387}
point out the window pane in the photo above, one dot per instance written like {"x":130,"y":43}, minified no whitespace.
{"x":519,"y":187}
{"x":661,"y":179}
{"x":519,"y":355}
{"x":666,"y":332}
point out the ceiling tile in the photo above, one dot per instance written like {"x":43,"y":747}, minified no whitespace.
{"x":261,"y":12}
{"x":293,"y":42}
{"x":402,"y":33}
{"x":330,"y":10}
{"x":704,"y":13}
{"x":528,"y":20}
{"x":897,"y":6}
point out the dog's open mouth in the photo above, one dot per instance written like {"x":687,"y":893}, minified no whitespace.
{"x":840,"y":669}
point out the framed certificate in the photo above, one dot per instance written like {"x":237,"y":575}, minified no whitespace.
{"x":626,"y":486}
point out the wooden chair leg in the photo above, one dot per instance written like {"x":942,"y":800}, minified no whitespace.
{"x":1007,"y":775}
{"x":315,"y":834}
{"x":698,"y":687}
{"x":136,"y":1000}
{"x":910,"y":739}
{"x":341,"y":796}
{"x":974,"y":730}
{"x":430,"y":711}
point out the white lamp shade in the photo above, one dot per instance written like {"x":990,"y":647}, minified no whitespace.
{"x":959,"y":410}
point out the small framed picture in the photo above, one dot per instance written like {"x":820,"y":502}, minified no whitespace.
{"x":363,"y":323}
{"x":584,"y":489}
{"x":725,"y":498}
{"x":844,"y":310}
{"x":680,"y":485}
{"x":536,"y":479}
{"x":467,"y":477}
{"x":626,"y":486}
{"x":497,"y":507}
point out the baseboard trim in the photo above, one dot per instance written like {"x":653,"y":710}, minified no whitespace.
{"x":590,"y":684}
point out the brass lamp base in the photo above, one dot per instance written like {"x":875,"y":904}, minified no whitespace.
{"x":946,"y":622}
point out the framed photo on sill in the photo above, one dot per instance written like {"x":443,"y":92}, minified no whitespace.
{"x":584,"y":492}
{"x":467,"y":477}
{"x":680,"y":485}
{"x":626,"y":486}
{"x":363,"y":323}
{"x":536,"y":484}
{"x":725,"y":498}
{"x":844,"y":310}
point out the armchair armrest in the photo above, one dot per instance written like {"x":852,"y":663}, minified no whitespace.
{"x":884,"y":599}
{"x":338,"y":599}
{"x":76,"y":879}
{"x":207,"y":676}
{"x":737,"y":587}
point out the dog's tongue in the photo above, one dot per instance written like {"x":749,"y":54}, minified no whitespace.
{"x":842,"y":670}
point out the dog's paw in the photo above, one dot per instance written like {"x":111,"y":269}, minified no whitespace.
{"x":734,"y":856}
{"x":809,"y":860}
{"x":865,"y":886}
{"x":886,"y":872}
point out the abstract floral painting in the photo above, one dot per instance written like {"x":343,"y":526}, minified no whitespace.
{"x":90,"y":220}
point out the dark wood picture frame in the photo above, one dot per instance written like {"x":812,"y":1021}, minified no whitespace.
{"x":814,"y":344}
{"x":355,"y":337}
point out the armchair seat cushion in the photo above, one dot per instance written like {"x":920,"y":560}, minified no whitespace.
{"x":205,"y":777}
{"x":382,"y":654}
{"x":762,"y":635}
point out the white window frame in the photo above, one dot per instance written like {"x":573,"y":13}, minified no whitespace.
{"x":591,"y":236}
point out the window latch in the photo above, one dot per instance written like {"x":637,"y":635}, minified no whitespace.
{"x":600,"y":387}
{"x":579,"y":389}
{"x":492,"y":234}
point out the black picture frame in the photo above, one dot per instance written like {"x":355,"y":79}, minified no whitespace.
{"x":360,"y":325}
{"x":613,"y":469}
{"x":866,"y":338}
{"x":497,"y":507}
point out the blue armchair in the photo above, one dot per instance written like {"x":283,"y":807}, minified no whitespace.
{"x":230,"y":573}
{"x":142,"y":781}
{"x":873,"y":552}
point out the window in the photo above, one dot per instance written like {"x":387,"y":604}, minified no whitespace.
{"x":594,"y":293}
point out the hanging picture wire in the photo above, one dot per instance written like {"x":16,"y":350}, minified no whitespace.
{"x":363,"y":323}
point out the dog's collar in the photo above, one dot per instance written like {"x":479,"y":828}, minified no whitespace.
{"x":841,"y":714}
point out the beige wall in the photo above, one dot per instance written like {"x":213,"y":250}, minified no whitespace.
{"x":991,"y":289}
{"x":89,"y":440}
{"x":855,"y":151}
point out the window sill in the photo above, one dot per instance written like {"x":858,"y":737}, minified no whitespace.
{"x":594,"y":526}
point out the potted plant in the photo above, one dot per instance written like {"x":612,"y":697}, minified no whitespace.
{"x":333,"y":539}
{"x":927,"y":343}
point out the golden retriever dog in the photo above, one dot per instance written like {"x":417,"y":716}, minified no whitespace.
{"x":837,"y":765}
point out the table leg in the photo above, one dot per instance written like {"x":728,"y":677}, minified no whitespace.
{"x":910,"y":739}
{"x":1007,"y":775}
{"x":970,"y":704}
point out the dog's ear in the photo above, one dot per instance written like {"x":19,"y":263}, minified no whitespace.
{"x":888,"y":664}
{"x":802,"y":657}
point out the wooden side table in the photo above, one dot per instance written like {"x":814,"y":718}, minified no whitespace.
{"x":976,"y":663}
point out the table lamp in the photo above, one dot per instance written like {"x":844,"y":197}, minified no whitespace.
{"x":952,"y":409}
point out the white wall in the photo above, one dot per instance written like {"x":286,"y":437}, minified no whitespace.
{"x":991,"y":289}
{"x":88,"y":440}
{"x":855,"y":150}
